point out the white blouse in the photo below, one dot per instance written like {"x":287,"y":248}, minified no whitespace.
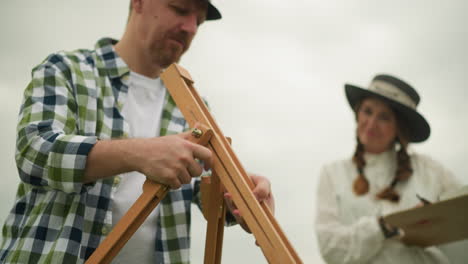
{"x":346,"y":224}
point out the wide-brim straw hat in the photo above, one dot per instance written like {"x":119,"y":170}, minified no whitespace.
{"x":400,"y":96}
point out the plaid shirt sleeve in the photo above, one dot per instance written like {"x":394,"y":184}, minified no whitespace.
{"x":50,"y":153}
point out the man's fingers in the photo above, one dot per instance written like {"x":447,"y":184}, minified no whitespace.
{"x":262,"y":191}
{"x":190,"y":134}
{"x":175,"y":183}
{"x":231,"y":206}
{"x":262,"y":187}
{"x":204,"y":154}
{"x":199,"y":152}
{"x":185,"y":135}
{"x":229,"y":203}
{"x":194,"y":169}
{"x":235,"y":212}
{"x":184,"y":177}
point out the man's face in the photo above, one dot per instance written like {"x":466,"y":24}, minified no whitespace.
{"x":166,"y":28}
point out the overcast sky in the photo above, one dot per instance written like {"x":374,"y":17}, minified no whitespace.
{"x":273,"y":72}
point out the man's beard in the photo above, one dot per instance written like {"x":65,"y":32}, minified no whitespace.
{"x":168,"y":53}
{"x":165,"y":56}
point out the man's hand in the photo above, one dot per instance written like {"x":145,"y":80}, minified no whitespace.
{"x":170,"y":160}
{"x":262,"y":192}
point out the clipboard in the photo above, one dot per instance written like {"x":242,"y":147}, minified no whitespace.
{"x":434,"y":224}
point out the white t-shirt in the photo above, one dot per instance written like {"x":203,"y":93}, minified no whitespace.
{"x":142,"y":112}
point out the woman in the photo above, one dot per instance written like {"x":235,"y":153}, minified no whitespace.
{"x":382,"y":177}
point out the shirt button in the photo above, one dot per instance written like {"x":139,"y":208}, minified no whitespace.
{"x":116,"y":180}
{"x":105,"y":230}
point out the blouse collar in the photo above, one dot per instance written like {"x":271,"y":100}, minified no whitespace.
{"x":388,"y":156}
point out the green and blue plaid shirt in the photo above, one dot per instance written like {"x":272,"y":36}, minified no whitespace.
{"x":74,"y":99}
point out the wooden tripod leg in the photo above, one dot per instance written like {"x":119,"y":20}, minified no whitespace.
{"x":214,"y":211}
{"x":152,"y":194}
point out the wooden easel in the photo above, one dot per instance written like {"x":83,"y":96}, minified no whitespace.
{"x":228,"y":173}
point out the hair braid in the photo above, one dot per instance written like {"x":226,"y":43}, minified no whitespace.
{"x":361,"y":185}
{"x":403,"y":172}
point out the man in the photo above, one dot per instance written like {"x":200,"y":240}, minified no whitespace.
{"x":93,"y":126}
